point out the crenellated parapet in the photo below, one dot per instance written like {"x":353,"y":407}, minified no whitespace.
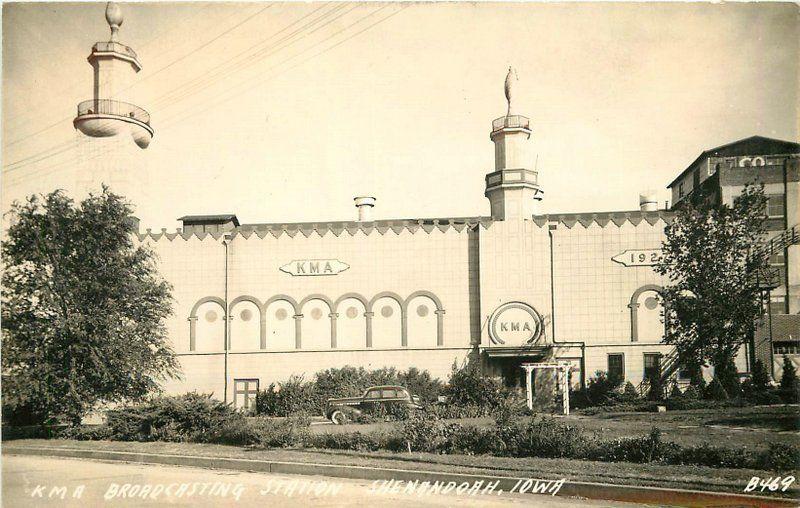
{"x":413,"y":226}
{"x":321,"y":229}
{"x":606,"y":219}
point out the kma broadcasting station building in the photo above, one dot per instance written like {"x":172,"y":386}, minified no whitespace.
{"x":257,"y":303}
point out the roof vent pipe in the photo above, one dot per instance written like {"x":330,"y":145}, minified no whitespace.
{"x":365,"y":204}
{"x":648,"y":201}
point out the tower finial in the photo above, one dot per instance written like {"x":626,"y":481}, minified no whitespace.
{"x":510,"y":78}
{"x":114,"y":18}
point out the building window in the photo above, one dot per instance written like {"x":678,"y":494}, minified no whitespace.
{"x":616,"y":365}
{"x":244,"y":393}
{"x":652,"y":365}
{"x":786,"y":348}
{"x":775,"y":205}
{"x":777,"y":305}
{"x":680,"y":190}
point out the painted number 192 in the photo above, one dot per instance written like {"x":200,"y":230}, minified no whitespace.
{"x":642,"y":257}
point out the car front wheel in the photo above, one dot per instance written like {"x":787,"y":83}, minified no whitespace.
{"x":338,"y":418}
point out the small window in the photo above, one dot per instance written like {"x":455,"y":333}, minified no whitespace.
{"x":775,"y":205}
{"x":616,"y":365}
{"x":786,"y":348}
{"x":680,"y":190}
{"x":374,"y":394}
{"x":389,"y":394}
{"x":652,"y":365}
{"x":777,"y":305}
{"x":244,"y":393}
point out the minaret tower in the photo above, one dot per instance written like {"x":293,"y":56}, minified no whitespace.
{"x":111,"y":111}
{"x":513,"y":189}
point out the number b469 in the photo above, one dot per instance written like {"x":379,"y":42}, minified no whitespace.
{"x":770,"y":484}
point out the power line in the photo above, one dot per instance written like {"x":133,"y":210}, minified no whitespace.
{"x":65,"y":146}
{"x":224,"y":100}
{"x":76,"y":84}
{"x":204,"y":45}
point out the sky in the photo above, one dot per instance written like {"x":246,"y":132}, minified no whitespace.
{"x":283,"y":112}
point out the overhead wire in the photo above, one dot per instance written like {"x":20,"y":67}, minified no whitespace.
{"x":195,"y":111}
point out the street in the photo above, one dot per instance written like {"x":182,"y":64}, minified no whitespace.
{"x":45,"y":481}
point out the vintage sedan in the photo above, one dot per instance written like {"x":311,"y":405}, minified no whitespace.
{"x":342,"y":410}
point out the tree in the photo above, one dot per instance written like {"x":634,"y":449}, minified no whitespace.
{"x":83,"y":309}
{"x":711,"y":259}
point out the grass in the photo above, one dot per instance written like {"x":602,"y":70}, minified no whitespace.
{"x":719,"y":426}
{"x":621,"y":473}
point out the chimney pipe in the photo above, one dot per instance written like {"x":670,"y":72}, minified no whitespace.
{"x":648,"y":201}
{"x":365,"y":204}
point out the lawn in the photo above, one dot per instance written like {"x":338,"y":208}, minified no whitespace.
{"x":751,"y":427}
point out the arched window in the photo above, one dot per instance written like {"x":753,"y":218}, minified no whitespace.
{"x":280,"y":323}
{"x":351,"y":323}
{"x":316,"y":324}
{"x":646,"y":309}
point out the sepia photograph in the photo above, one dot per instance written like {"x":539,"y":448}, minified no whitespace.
{"x":421,"y":254}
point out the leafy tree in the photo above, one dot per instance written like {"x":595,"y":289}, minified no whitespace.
{"x":711,"y":262}
{"x":83,"y":309}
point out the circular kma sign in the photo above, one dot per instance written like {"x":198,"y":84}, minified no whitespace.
{"x":515,"y":324}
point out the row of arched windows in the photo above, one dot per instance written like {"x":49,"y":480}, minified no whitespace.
{"x":317,"y":322}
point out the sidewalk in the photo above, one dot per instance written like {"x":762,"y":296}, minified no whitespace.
{"x":232,"y":458}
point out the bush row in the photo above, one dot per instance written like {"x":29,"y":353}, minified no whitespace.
{"x":198,"y":418}
{"x":299,"y":395}
{"x":468,"y":391}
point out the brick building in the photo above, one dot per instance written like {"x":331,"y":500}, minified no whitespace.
{"x":721,"y":173}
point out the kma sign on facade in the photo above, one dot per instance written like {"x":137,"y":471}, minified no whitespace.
{"x":314,"y":267}
{"x":515,"y":324}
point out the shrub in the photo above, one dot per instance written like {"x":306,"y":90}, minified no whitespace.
{"x":188,"y":417}
{"x":655,"y":391}
{"x":647,"y":448}
{"x":715,"y":391}
{"x":86,"y":433}
{"x":540,"y":437}
{"x":759,"y":377}
{"x":449,"y":411}
{"x":284,"y":399}
{"x":262,"y":432}
{"x":675,"y":391}
{"x":295,"y":394}
{"x":781,"y":457}
{"x":468,"y":386}
{"x":473,"y":440}
{"x":427,"y":433}
{"x":421,"y":383}
{"x":692,"y":393}
{"x":712,"y":456}
{"x":789,"y":385}
{"x":629,"y":394}
{"x":727,"y":375}
{"x":602,"y":389}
